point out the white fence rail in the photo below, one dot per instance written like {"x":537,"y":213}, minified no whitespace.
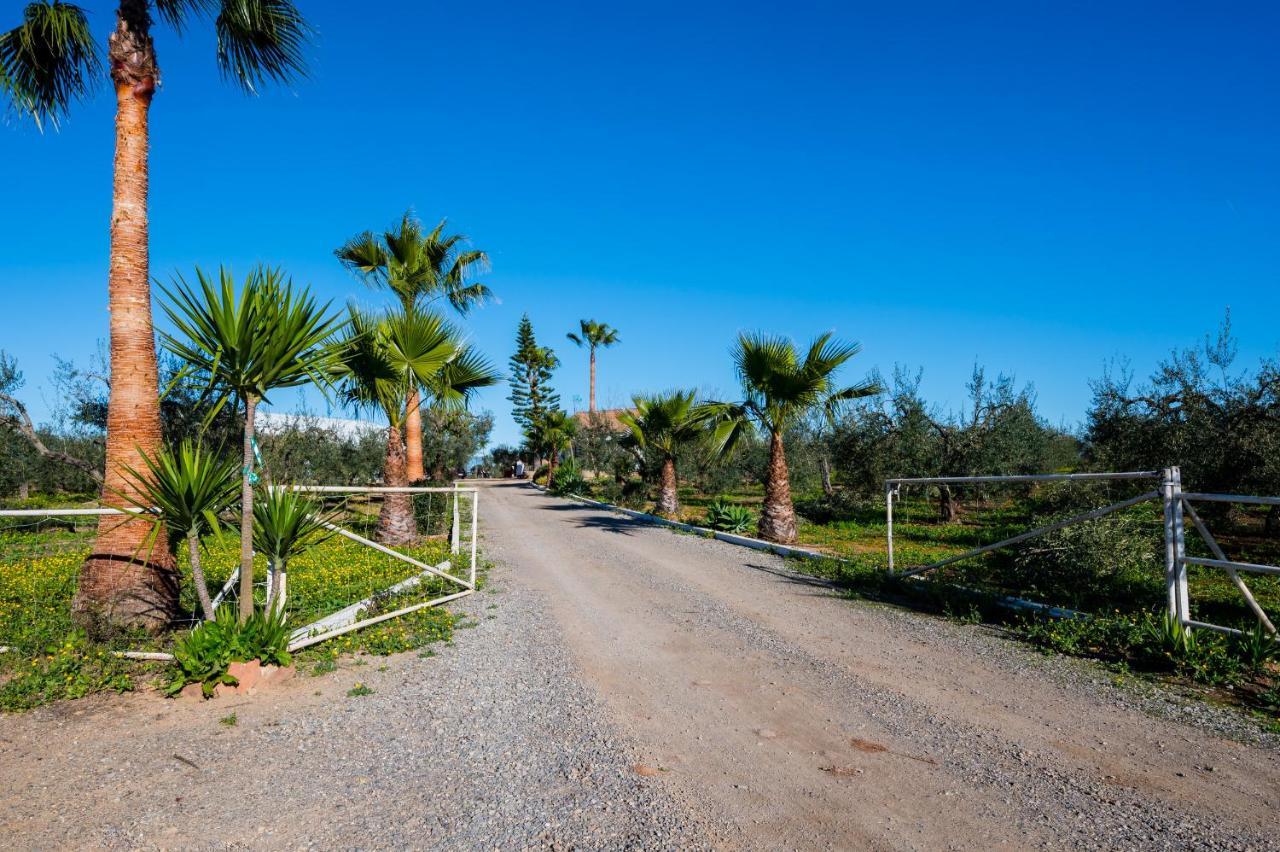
{"x":1177,"y":506}
{"x":464,"y":528}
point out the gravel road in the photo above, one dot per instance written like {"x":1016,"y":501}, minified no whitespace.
{"x":797,"y":719}
{"x":628,"y":687}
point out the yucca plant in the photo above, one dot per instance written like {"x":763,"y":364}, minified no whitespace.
{"x":266,"y":337}
{"x":285,"y":524}
{"x":185,"y":490}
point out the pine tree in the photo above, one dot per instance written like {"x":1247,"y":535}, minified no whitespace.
{"x":531,"y":369}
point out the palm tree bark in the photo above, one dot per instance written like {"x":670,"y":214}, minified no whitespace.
{"x":414,"y":469}
{"x":591,"y":404}
{"x":246,"y":512}
{"x":668,"y":496}
{"x":124,"y":581}
{"x":396,"y":525}
{"x":197,"y":576}
{"x":778,"y":515}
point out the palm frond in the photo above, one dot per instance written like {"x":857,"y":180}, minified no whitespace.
{"x":261,"y":41}
{"x":456,"y":383}
{"x":48,"y":61}
{"x":176,"y":12}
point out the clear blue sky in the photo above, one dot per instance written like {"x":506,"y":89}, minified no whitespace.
{"x":1038,"y":187}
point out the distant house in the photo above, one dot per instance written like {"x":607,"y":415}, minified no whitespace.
{"x":605,"y":416}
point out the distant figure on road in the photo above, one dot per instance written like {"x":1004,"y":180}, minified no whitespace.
{"x":519,"y":468}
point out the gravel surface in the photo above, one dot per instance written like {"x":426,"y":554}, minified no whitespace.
{"x":492,"y":743}
{"x":827,"y":723}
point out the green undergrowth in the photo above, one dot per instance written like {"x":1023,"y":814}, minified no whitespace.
{"x":51,"y":659}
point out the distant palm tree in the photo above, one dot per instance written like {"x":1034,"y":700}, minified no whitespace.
{"x":49,"y":61}
{"x":186,"y":489}
{"x":420,"y":268}
{"x":551,"y":434}
{"x":268,"y":337}
{"x":593,"y":335}
{"x":666,"y":423}
{"x":379,"y":358}
{"x":779,"y":389}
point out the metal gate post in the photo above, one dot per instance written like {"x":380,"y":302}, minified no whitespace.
{"x":1182,"y":592}
{"x":1170,"y":557}
{"x":455,"y":534}
{"x":888,"y":517}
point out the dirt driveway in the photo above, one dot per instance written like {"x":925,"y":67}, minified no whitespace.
{"x":792,"y":718}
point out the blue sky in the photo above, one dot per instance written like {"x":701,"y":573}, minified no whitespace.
{"x":1037,"y":187}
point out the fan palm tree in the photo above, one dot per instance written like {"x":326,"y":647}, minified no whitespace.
{"x":665,"y":423}
{"x":551,"y":434}
{"x":379,"y":359}
{"x":268,"y":337}
{"x":49,"y":61}
{"x":779,"y":389}
{"x":420,"y":268}
{"x":186,"y":490}
{"x":593,"y":335}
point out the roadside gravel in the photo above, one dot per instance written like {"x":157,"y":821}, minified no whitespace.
{"x":491,"y":743}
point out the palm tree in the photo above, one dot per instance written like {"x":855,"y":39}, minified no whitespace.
{"x":186,"y":490}
{"x":593,"y":335}
{"x":665,"y":423}
{"x":379,"y":359}
{"x":551,"y":433}
{"x":420,"y":268}
{"x":268,"y":337}
{"x":779,"y":390}
{"x":49,"y":61}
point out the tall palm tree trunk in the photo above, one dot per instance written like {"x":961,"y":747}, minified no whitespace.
{"x":591,"y":404}
{"x":124,"y":581}
{"x":395,"y":521}
{"x":668,"y":496}
{"x":246,"y":512}
{"x":414,"y":469}
{"x":778,"y":515}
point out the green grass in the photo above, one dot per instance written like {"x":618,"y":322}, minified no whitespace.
{"x":50,"y":659}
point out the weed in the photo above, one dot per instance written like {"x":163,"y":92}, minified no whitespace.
{"x":358,"y":690}
{"x":228,"y":721}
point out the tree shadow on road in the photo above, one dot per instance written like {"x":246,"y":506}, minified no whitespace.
{"x":598,"y":520}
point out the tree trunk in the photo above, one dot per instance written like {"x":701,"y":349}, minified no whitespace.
{"x":778,"y":515}
{"x":1271,"y":525}
{"x":119,"y":583}
{"x":948,"y":508}
{"x":24,"y":490}
{"x":396,"y":526}
{"x":246,"y":512}
{"x":824,"y":467}
{"x":668,"y":496}
{"x":551,"y":467}
{"x":591,"y":402}
{"x":197,"y":576}
{"x":413,"y":438}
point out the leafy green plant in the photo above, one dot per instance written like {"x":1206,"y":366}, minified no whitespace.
{"x":204,"y":655}
{"x":185,"y":489}
{"x":73,"y":668}
{"x":1256,"y":648}
{"x":729,"y":517}
{"x":285,"y":524}
{"x":358,"y":690}
{"x":567,"y":479}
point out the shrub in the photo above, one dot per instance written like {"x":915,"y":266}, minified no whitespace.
{"x":729,"y":517}
{"x":204,"y":655}
{"x":1104,"y":560}
{"x":568,"y":479}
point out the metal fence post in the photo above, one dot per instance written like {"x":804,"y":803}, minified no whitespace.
{"x":888,"y":518}
{"x":1182,"y":592}
{"x":455,"y":541}
{"x":475,"y":531}
{"x":1170,"y":551}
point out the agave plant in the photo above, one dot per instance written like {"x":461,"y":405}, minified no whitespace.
{"x":185,"y":491}
{"x":285,"y":524}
